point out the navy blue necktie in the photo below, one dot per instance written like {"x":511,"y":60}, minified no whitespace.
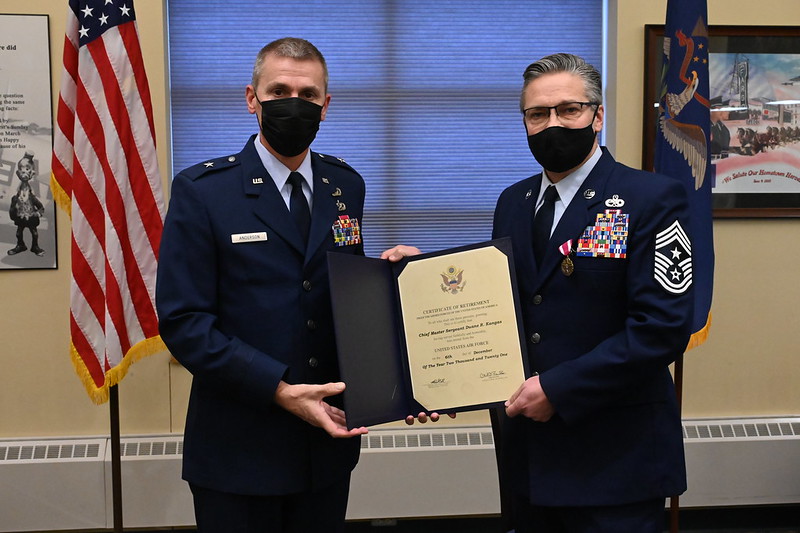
{"x":543,"y":222}
{"x":298,"y":205}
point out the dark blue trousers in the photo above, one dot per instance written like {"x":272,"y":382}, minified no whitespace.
{"x":307,"y":512}
{"x":640,"y":517}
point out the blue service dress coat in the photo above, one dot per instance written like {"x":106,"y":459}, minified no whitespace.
{"x":242,"y":305}
{"x":601,"y":340}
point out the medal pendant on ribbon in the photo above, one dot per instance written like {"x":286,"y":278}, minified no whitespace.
{"x":567,"y":267}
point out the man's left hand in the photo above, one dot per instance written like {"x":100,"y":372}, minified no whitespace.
{"x":424,"y":417}
{"x":398,"y":252}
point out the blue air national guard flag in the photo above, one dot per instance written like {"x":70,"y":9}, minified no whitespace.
{"x":682,"y":143}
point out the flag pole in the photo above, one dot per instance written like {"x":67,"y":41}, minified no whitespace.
{"x":674,"y":505}
{"x":116,"y":464}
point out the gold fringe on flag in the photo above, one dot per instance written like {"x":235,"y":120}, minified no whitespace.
{"x":61,"y":198}
{"x":140,"y":350}
{"x":700,"y":336}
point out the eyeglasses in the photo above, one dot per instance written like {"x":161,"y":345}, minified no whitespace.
{"x":567,"y":112}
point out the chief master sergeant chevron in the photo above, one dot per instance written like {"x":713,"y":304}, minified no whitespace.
{"x":244,"y":304}
{"x":593,"y":442}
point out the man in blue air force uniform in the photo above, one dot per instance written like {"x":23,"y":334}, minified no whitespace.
{"x":244,"y":305}
{"x":593,"y":442}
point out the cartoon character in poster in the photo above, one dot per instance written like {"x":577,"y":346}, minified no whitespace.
{"x":26,"y":209}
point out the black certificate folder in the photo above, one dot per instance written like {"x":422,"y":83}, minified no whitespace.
{"x":434,"y":332}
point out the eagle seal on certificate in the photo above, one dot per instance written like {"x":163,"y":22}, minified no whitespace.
{"x":452,"y":280}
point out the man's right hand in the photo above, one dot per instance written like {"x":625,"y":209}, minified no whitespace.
{"x":307,"y":402}
{"x":531,"y":401}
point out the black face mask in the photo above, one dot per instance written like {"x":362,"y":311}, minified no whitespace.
{"x":290,"y":124}
{"x":559,"y":149}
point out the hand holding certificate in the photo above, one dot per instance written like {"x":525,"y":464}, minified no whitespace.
{"x":434,"y":332}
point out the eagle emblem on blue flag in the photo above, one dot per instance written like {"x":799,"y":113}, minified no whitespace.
{"x":684,"y":98}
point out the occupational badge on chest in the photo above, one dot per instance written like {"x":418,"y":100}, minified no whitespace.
{"x":608,"y":237}
{"x":346,"y":231}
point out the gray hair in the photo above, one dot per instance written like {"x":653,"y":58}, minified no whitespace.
{"x":565,"y":63}
{"x":293,"y":48}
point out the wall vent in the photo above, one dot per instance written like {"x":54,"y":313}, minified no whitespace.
{"x":11,"y":452}
{"x":741,"y":429}
{"x":408,"y":439}
{"x":151,"y":448}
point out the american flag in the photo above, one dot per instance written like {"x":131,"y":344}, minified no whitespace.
{"x":106,"y":177}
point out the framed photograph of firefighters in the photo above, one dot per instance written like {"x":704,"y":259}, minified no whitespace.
{"x":27,"y":210}
{"x":754,"y":79}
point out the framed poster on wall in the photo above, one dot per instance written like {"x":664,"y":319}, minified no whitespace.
{"x":754,"y":79}
{"x":27,"y":211}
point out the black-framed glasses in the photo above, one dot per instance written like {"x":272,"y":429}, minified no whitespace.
{"x":568,"y":111}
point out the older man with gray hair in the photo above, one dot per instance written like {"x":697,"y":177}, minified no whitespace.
{"x":592,"y":442}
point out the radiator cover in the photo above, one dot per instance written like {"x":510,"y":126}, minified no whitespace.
{"x":743,"y":461}
{"x":52,"y":484}
{"x":65,"y":484}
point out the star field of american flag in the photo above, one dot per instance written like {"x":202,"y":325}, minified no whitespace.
{"x":98,"y":16}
